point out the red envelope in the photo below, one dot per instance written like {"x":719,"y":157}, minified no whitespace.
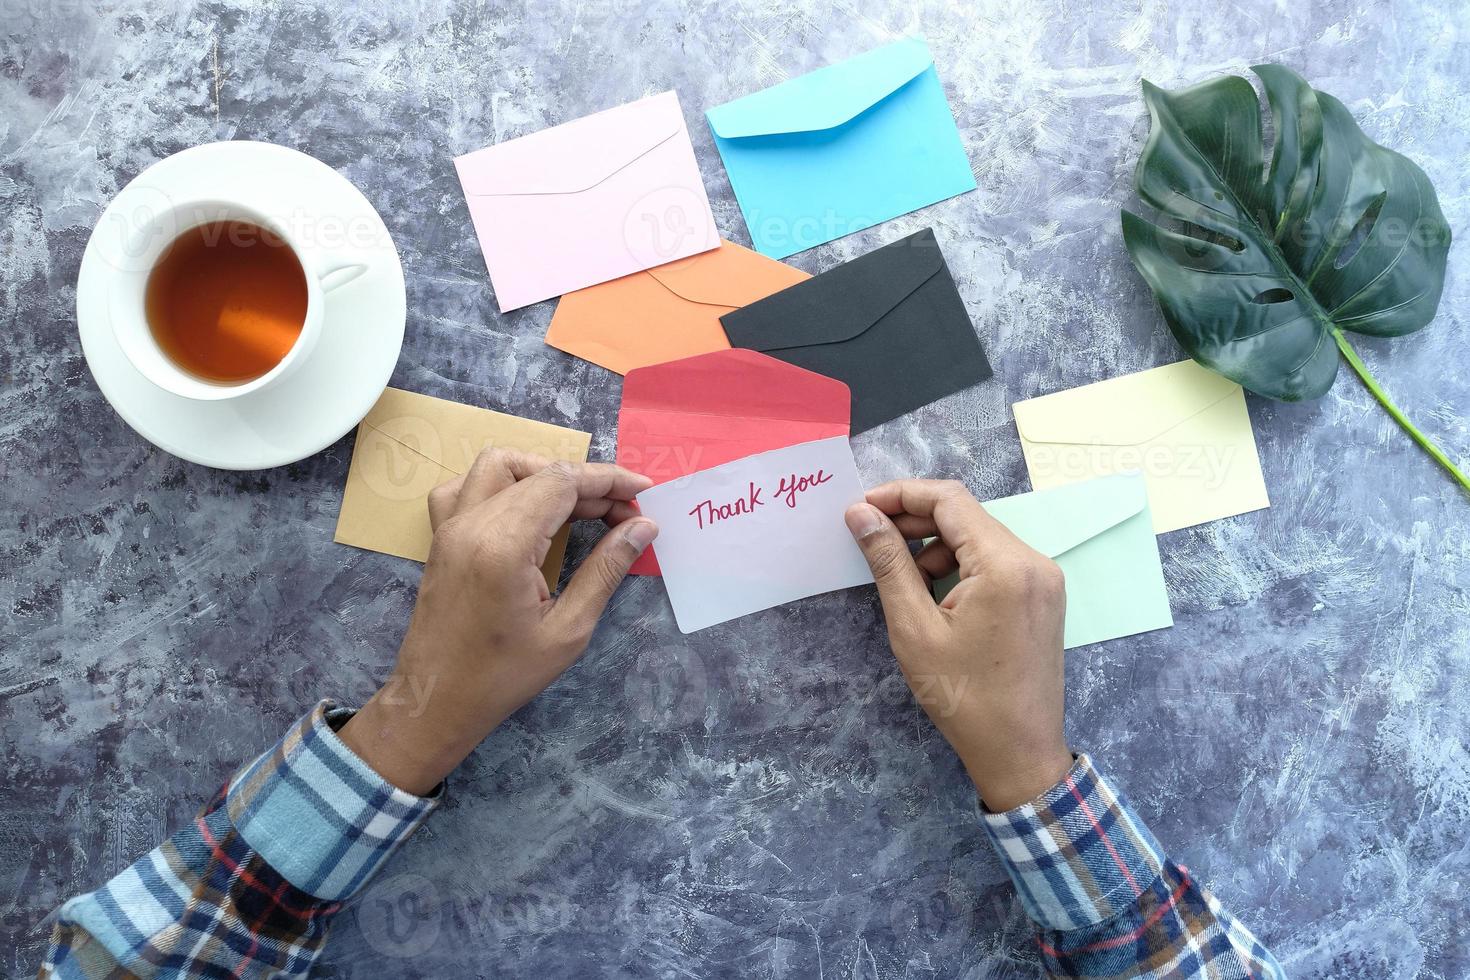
{"x":688,"y":415}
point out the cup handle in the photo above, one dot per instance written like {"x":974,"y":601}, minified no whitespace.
{"x":339,"y":273}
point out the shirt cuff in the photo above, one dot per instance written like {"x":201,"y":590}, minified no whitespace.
{"x":1078,"y":854}
{"x":318,"y":814}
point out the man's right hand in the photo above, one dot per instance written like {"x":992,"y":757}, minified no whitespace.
{"x":986,"y":663}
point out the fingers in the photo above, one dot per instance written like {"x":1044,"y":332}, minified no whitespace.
{"x":901,"y":587}
{"x":604,"y":508}
{"x":915,"y":528}
{"x":442,"y":501}
{"x":582,"y":602}
{"x":935,"y":499}
{"x":946,"y":509}
{"x":620,"y":512}
{"x":561,"y":491}
{"x":495,"y":470}
{"x":936,"y":560}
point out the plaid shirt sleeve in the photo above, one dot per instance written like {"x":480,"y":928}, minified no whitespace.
{"x":251,"y":886}
{"x":1106,"y":900}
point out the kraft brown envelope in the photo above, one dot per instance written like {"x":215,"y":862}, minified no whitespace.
{"x":409,"y":444}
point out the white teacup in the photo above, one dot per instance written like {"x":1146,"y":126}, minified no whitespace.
{"x":149,"y":233}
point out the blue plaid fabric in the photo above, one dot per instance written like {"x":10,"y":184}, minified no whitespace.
{"x":1106,"y":900}
{"x":250,"y":888}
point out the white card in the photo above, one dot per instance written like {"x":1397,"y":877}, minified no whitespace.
{"x":752,"y":534}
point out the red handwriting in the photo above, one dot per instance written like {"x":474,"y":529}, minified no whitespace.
{"x":708,"y":512}
{"x":791,"y":486}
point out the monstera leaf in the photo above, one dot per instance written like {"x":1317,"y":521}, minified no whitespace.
{"x":1264,"y":264}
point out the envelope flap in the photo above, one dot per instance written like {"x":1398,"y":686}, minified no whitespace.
{"x":840,"y":303}
{"x":1127,"y":411}
{"x":823,"y":98}
{"x":730,"y":276}
{"x":1056,"y":521}
{"x":575,"y":156}
{"x":451,"y":434}
{"x":740,"y":383}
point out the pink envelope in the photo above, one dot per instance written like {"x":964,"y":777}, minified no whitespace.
{"x":601,"y":197}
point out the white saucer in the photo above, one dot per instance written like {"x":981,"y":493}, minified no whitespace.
{"x":332,"y":389}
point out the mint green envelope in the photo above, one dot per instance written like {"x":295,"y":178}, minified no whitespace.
{"x":1101,"y":534}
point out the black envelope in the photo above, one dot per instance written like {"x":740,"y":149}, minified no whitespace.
{"x":890,"y":324}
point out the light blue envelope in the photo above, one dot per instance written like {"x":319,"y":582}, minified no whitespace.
{"x":1100,"y":533}
{"x":841,"y":149}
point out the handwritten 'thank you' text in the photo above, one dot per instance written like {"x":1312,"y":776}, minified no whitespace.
{"x":788,"y":490}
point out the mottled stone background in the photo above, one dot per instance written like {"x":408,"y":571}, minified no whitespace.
{"x":760,"y":799}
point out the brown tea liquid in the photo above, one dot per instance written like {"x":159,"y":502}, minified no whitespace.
{"x":226,"y":301}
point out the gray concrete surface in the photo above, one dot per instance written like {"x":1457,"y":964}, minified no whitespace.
{"x":759,"y":799}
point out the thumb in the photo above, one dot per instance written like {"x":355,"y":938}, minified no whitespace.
{"x":901,"y":586}
{"x":585,"y":597}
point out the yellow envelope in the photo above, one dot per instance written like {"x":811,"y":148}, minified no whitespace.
{"x":409,"y":444}
{"x":1182,"y":425}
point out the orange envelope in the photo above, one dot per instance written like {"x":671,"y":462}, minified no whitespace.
{"x":667,"y":312}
